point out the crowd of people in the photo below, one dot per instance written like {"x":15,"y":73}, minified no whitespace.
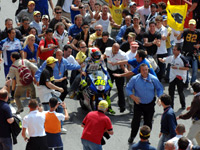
{"x":133,"y":45}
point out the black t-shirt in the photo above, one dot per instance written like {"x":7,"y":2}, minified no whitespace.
{"x":5,"y":114}
{"x":102,"y":46}
{"x":80,"y":36}
{"x":125,"y":46}
{"x":46,"y":76}
{"x":139,"y":36}
{"x":191,"y":38}
{"x":54,"y":21}
{"x":151,"y":50}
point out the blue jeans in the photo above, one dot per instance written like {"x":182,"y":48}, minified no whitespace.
{"x":194,"y":64}
{"x":5,"y":143}
{"x":46,"y":107}
{"x":164,"y":138}
{"x":87,"y":145}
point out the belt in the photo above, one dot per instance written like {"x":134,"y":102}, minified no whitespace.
{"x":45,"y":103}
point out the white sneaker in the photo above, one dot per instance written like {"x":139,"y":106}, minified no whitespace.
{"x":63,"y":130}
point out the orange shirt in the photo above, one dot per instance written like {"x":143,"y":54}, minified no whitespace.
{"x":52,"y":124}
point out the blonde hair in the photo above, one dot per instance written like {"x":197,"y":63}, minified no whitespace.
{"x":27,"y":38}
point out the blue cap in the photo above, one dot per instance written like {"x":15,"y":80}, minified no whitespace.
{"x":164,"y":17}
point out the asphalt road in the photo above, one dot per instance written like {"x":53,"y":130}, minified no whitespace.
{"x":121,"y":121}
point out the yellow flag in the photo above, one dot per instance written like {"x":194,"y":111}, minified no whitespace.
{"x":176,"y":15}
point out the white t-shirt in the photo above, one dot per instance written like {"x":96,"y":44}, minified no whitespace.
{"x":162,"y":49}
{"x":144,"y":13}
{"x":175,"y":38}
{"x":114,"y":58}
{"x":72,"y":60}
{"x":66,"y":5}
{"x":34,"y":122}
{"x":176,"y":62}
{"x":130,"y":55}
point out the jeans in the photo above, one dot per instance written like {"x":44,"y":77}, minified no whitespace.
{"x":164,"y":138}
{"x":87,"y":145}
{"x":5,"y":143}
{"x":194,"y":64}
{"x":180,"y":87}
{"x":161,"y":65}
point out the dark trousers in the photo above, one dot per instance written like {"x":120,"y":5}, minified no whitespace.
{"x":147,"y":110}
{"x":74,"y":73}
{"x":63,"y":85}
{"x":120,"y":86}
{"x":37,"y":143}
{"x":180,"y":87}
{"x":161,"y":65}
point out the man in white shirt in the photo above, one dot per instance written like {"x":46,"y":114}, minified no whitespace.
{"x":144,"y":11}
{"x":114,"y":54}
{"x":34,"y":123}
{"x":162,"y":49}
{"x":180,"y":130}
{"x":178,"y":73}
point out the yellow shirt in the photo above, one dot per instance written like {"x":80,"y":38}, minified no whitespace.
{"x":94,"y":36}
{"x":81,"y":56}
{"x":168,"y":44}
{"x":116,"y":13}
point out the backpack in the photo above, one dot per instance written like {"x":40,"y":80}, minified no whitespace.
{"x":25,"y":74}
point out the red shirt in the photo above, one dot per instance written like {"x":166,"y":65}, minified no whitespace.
{"x":95,"y":124}
{"x":45,"y":55}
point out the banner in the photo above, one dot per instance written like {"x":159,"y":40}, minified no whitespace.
{"x":176,"y":15}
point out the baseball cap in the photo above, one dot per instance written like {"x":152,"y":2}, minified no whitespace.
{"x":132,"y":34}
{"x":135,"y":44}
{"x":192,"y":21}
{"x":132,"y":3}
{"x":51,"y":60}
{"x":31,"y":2}
{"x":36,"y":12}
{"x":136,"y":16}
{"x":103,"y":105}
{"x":45,"y":17}
{"x":164,"y":17}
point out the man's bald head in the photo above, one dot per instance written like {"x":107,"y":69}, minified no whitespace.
{"x":115,"y":48}
{"x":169,"y":145}
{"x":3,"y":94}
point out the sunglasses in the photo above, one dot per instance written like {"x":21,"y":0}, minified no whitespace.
{"x":38,"y":16}
{"x":85,"y":27}
{"x":26,"y":23}
{"x":98,"y":29}
{"x":58,"y":12}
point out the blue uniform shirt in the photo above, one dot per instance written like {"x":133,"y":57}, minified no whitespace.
{"x":59,"y":69}
{"x":144,"y":88}
{"x":74,"y":30}
{"x":136,"y":66}
{"x":31,"y":55}
{"x":142,"y":146}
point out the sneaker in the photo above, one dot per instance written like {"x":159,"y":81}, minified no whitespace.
{"x":122,"y":109}
{"x":63,"y":130}
{"x":112,"y":112}
{"x":72,"y":95}
{"x":19,"y":111}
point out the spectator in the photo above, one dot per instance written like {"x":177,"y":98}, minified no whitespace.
{"x":25,"y":26}
{"x":5,"y":119}
{"x":34,"y":123}
{"x":143,"y":102}
{"x":92,"y":4}
{"x":97,"y":9}
{"x":95,"y":124}
{"x":65,"y":5}
{"x":144,"y":142}
{"x":58,"y":18}
{"x":32,"y":30}
{"x":151,"y":16}
{"x":86,"y":12}
{"x":168,"y":121}
{"x":97,"y":34}
{"x":119,"y":37}
{"x":104,"y":18}
{"x":132,"y":9}
{"x":52,"y":124}
{"x":9,"y":25}
{"x":193,"y":111}
{"x":161,"y":7}
{"x":116,"y":13}
{"x":61,"y":34}
{"x":104,"y":42}
{"x":45,"y":23}
{"x":113,"y":54}
{"x":30,"y":49}
{"x":76,"y":27}
{"x":47,"y":46}
{"x":183,"y":143}
{"x":74,"y":9}
{"x":144,"y":11}
{"x":135,"y":28}
{"x":14,"y":46}
{"x":36,"y":22}
{"x":180,"y":130}
{"x":22,"y":5}
{"x":26,"y":13}
{"x":83,"y":35}
{"x":169,"y":145}
{"x":14,"y":73}
{"x":178,"y":72}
